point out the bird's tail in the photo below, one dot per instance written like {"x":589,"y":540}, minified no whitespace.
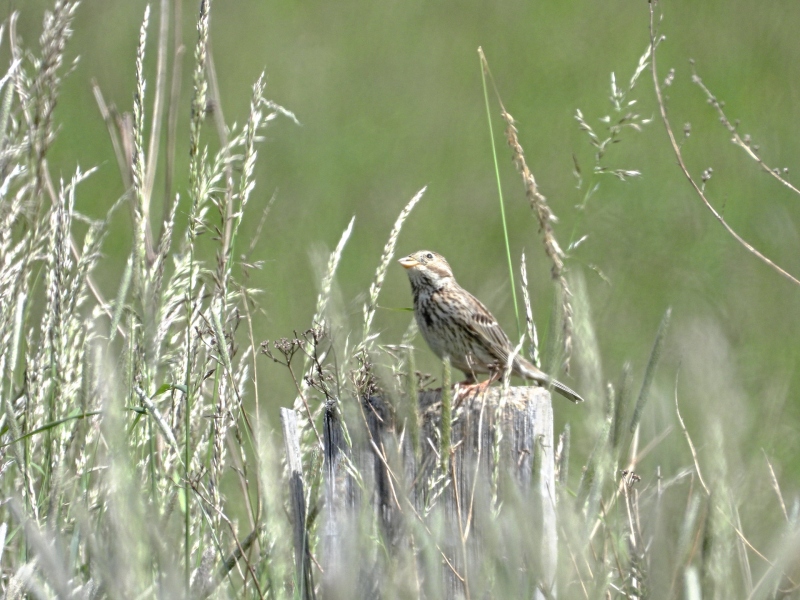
{"x":568,"y":393}
{"x":530,"y":371}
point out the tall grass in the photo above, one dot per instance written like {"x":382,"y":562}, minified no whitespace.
{"x":133,"y":461}
{"x":122,"y":420}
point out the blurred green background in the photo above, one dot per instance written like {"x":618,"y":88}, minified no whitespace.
{"x":389,"y":96}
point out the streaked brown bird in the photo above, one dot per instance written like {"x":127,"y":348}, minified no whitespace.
{"x":457,"y":325}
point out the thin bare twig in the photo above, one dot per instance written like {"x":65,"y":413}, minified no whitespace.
{"x":113,"y":133}
{"x":635,"y":459}
{"x":565,"y":537}
{"x":380,"y":453}
{"x":682,"y":164}
{"x":172,"y":109}
{"x":743,"y":143}
{"x":689,"y":441}
{"x":733,"y":526}
{"x":775,"y":486}
{"x":407,"y":500}
{"x":158,"y":101}
{"x":462,"y":535}
{"x":477,"y":464}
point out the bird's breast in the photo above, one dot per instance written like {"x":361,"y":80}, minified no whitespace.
{"x":428,"y":313}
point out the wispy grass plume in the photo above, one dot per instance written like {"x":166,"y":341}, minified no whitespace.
{"x":386,"y":258}
{"x":533,"y":335}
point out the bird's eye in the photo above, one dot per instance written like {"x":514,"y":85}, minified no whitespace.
{"x":429,"y":256}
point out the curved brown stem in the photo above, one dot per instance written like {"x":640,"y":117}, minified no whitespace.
{"x":676,"y":148}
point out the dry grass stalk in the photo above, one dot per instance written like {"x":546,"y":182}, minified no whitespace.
{"x":545,"y":217}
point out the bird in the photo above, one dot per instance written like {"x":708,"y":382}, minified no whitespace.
{"x":456,"y":325}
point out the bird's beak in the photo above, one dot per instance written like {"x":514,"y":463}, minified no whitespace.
{"x":408,"y":262}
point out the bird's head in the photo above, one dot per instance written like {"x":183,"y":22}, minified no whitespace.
{"x":427,"y":268}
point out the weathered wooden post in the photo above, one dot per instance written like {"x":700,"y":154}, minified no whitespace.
{"x":502,"y":446}
{"x":501,"y":455}
{"x":305,"y":581}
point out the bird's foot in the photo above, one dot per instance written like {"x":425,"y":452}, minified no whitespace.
{"x":467,"y":388}
{"x":461,"y":391}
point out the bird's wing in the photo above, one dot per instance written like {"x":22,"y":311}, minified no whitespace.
{"x":486,"y":327}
